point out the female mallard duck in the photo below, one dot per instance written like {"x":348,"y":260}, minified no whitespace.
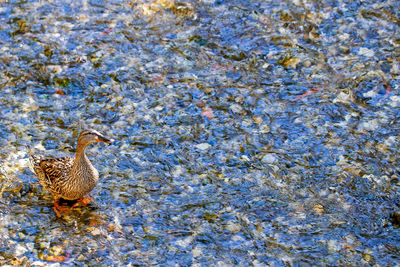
{"x":69,"y":178}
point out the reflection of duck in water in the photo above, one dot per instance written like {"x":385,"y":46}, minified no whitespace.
{"x":69,"y":178}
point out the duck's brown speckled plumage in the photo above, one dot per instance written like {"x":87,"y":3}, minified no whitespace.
{"x":69,"y":178}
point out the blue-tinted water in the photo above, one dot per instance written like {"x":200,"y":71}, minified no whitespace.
{"x":247,"y":132}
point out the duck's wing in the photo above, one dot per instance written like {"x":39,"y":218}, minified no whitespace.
{"x":51,"y":172}
{"x":56,"y":168}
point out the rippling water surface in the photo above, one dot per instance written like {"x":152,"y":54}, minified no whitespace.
{"x":248,"y":132}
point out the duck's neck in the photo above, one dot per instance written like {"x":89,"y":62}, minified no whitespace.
{"x":80,"y":156}
{"x":82,"y":171}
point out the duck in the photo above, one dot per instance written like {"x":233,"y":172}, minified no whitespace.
{"x":69,"y":178}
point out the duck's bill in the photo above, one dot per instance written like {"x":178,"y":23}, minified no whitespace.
{"x":105,"y":140}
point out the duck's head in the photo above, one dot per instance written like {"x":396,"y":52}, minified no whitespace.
{"x":92,"y":136}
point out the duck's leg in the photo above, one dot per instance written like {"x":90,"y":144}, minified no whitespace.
{"x":84,"y":201}
{"x":58,"y":208}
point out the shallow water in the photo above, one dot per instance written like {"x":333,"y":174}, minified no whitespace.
{"x":247,"y":132}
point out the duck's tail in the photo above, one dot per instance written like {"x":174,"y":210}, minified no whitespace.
{"x":34,"y":162}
